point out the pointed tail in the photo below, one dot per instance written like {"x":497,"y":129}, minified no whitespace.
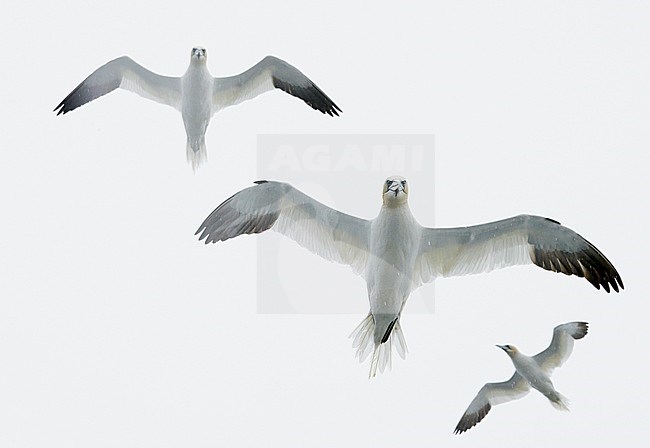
{"x":364,"y":342}
{"x":196,"y":152}
{"x":559,"y":401}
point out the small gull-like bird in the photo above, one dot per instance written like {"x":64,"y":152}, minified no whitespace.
{"x":530,"y":371}
{"x":196,"y":94}
{"x":395,"y":254}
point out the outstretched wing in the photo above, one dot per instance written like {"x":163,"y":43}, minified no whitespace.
{"x":266,"y":75}
{"x":492,"y":394}
{"x":329,"y":233}
{"x":123,"y":72}
{"x":523,"y":239}
{"x":561,"y":345}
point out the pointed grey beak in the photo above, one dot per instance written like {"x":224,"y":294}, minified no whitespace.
{"x":502,"y":347}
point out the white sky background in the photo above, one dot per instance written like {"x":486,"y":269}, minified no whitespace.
{"x":117,"y":328}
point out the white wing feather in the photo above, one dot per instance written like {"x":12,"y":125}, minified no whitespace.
{"x":492,"y":394}
{"x":266,"y":75}
{"x":124,"y":73}
{"x":561,"y":345}
{"x":523,"y":239}
{"x":329,"y":233}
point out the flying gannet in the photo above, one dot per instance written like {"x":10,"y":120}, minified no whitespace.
{"x":395,"y":255}
{"x":530,"y":371}
{"x":196,"y":94}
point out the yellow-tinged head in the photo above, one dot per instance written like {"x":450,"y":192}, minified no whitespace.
{"x":395,"y":191}
{"x":510,"y":349}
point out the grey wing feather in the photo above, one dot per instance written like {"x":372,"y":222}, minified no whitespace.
{"x":123,"y":72}
{"x":523,"y":239}
{"x":492,"y":394}
{"x":561,"y":345}
{"x":266,"y":75}
{"x":329,"y":233}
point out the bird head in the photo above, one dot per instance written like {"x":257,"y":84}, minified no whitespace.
{"x":511,"y":350}
{"x":199,"y":54}
{"x":396,"y":191}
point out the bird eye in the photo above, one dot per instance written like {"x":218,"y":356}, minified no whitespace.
{"x":403,"y":183}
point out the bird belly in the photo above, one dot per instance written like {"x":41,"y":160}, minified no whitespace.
{"x":392,"y":258}
{"x":196,"y":107}
{"x":388,"y":286}
{"x":196,"y":118}
{"x":535,"y":376}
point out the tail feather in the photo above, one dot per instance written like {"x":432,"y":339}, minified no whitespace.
{"x":361,"y":331}
{"x":196,"y":153}
{"x":559,"y":401}
{"x":363,"y":337}
{"x":363,"y":341}
{"x":381,"y":358}
{"x":400,"y":341}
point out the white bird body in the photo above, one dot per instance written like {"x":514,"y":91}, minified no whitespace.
{"x":533,"y":373}
{"x":395,"y":254}
{"x":394,"y":242}
{"x":393,"y":247}
{"x":530,"y":372}
{"x":197,"y":85}
{"x":198,"y":95}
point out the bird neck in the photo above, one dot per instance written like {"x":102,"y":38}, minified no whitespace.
{"x":398,"y":202}
{"x":198,"y":64}
{"x":393,"y":208}
{"x":393,"y":214}
{"x":519,"y":358}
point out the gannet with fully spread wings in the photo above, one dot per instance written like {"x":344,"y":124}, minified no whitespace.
{"x":196,"y":94}
{"x":395,"y":255}
{"x":530,"y":371}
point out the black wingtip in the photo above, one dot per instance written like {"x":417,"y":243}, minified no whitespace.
{"x":60,"y":109}
{"x":468,"y":421}
{"x":86,"y":92}
{"x":583,"y":329}
{"x":327,"y":105}
{"x":590,"y":264}
{"x":459,"y":430}
{"x":310,"y":94}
